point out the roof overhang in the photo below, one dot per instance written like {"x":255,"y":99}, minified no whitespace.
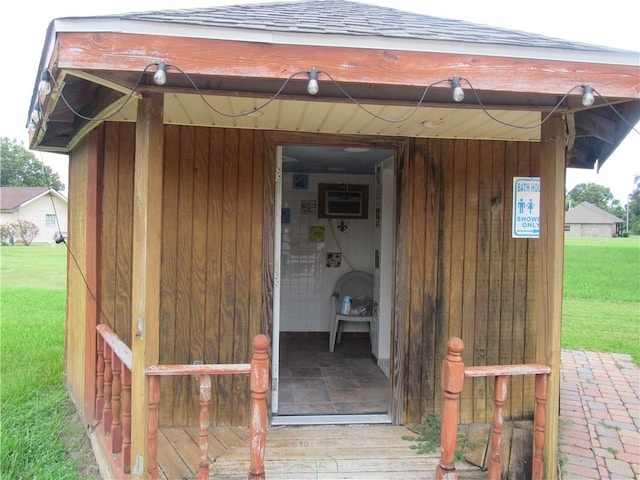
{"x":101,"y":66}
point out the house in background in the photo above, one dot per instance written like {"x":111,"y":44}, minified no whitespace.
{"x":587,"y":220}
{"x":42,"y":206}
{"x":200,"y":141}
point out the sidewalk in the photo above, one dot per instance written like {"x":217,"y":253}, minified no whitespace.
{"x":599,"y":416}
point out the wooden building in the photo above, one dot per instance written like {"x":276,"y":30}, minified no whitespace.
{"x":198,"y":141}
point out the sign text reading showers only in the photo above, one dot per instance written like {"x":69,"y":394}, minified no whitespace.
{"x":526,"y":207}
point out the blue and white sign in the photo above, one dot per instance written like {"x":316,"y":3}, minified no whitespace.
{"x":526,"y":207}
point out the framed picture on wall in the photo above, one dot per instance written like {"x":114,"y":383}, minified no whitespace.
{"x":300,"y":181}
{"x":334,"y":259}
{"x":308,"y":207}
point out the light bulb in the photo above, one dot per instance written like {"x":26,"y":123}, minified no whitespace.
{"x":458,"y":92}
{"x":313,"y":87}
{"x":160,"y":77}
{"x":587,"y":97}
{"x":35,"y":116}
{"x":44,"y":87}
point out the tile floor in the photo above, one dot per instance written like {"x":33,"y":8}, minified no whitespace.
{"x":315,"y":381}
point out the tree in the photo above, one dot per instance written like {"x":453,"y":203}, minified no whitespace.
{"x":594,"y":194}
{"x":633,"y":204}
{"x":20,"y":168}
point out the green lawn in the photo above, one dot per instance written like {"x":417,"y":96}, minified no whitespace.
{"x":601,"y":308}
{"x":39,"y":438}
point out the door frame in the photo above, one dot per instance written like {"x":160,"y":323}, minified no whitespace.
{"x":273,"y":201}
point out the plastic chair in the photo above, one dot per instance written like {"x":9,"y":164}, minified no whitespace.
{"x":359,"y":286}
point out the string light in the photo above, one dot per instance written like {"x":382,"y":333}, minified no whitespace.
{"x":44,"y":87}
{"x":458,"y":95}
{"x":160,"y":77}
{"x":313,"y":87}
{"x":458,"y":92}
{"x":587,"y":97}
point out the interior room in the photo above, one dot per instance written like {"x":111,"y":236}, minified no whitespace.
{"x":337,"y":213}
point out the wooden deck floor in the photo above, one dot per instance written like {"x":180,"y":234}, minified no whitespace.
{"x":331,"y":452}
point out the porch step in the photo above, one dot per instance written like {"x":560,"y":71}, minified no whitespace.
{"x":336,"y":452}
{"x":331,"y":452}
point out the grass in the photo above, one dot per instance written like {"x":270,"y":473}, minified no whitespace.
{"x":601,"y":307}
{"x":39,"y":437}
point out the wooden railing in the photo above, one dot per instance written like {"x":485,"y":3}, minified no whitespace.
{"x":113,"y":401}
{"x":113,"y":392}
{"x":259,"y":384}
{"x":453,"y":375}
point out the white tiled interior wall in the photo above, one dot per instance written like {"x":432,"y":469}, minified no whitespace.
{"x":305,"y":281}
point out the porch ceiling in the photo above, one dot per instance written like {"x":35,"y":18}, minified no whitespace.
{"x":318,"y":116}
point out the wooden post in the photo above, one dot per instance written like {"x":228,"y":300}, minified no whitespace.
{"x":154,"y":401}
{"x":500,"y":396}
{"x":116,"y":425}
{"x":205,"y":401}
{"x":549,"y":325}
{"x":537,"y":470}
{"x":108,"y":377}
{"x":99,"y":378}
{"x":259,"y":385}
{"x":126,"y":419}
{"x":145,"y":288}
{"x":452,"y":383}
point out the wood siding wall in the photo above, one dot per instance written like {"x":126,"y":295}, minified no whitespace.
{"x":117,"y":228}
{"x":212,"y":262}
{"x":212,"y":257}
{"x":459,"y":272}
{"x":464,"y":275}
{"x":82,"y":268}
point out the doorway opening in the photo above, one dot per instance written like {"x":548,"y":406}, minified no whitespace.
{"x":337,"y":216}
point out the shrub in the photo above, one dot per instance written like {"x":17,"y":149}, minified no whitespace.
{"x":7,"y":233}
{"x":26,"y":231}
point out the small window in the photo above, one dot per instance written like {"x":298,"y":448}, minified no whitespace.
{"x":567,"y":227}
{"x":49,"y":220}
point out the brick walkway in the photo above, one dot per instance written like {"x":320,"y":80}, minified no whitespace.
{"x":599,"y":416}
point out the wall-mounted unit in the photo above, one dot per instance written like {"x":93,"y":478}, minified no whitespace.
{"x":343,"y":201}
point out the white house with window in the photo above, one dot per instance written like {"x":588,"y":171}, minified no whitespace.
{"x":40,"y":205}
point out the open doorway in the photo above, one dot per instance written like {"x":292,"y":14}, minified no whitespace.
{"x":337,"y":216}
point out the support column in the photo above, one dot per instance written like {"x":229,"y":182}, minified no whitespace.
{"x":145,"y":293}
{"x":552,"y":179}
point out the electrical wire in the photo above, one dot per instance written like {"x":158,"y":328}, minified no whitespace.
{"x":346,"y":94}
{"x":111,"y":115}
{"x":60,"y":238}
{"x":242,"y":114}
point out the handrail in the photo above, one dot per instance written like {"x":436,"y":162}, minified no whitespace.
{"x":114,"y":363}
{"x":453,"y":374}
{"x":258,"y":370}
{"x":118,"y":346}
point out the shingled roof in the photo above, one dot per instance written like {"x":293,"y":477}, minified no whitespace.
{"x":343,"y":17}
{"x":588,"y":213}
{"x":12,"y":198}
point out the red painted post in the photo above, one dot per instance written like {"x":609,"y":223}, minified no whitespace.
{"x":452,"y":384}
{"x":116,"y":389}
{"x":107,"y":415}
{"x":500,"y":397}
{"x":126,"y":419}
{"x":259,"y":387}
{"x":537,"y":470}
{"x":154,"y":400}
{"x":205,"y":401}
{"x":99,"y":377}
